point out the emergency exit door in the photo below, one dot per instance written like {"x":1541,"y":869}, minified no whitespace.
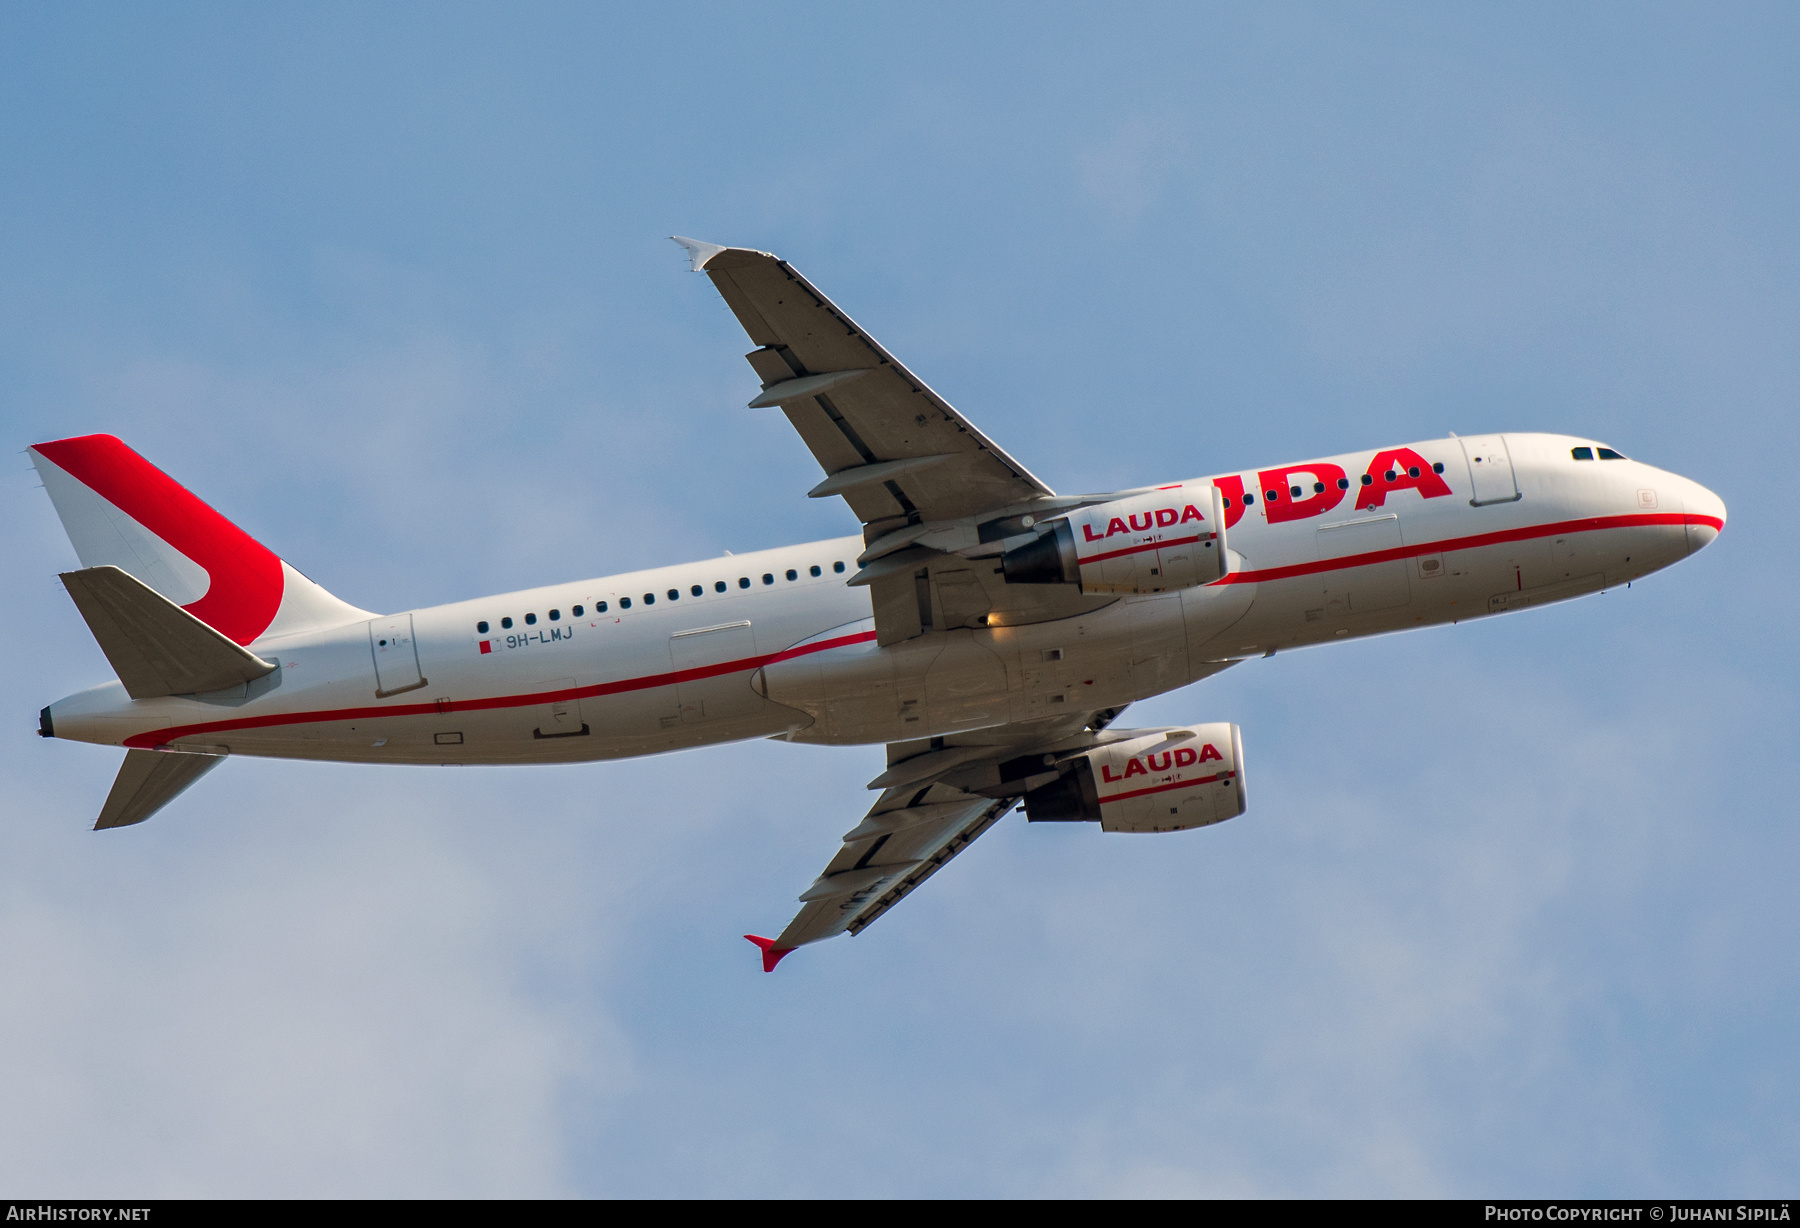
{"x":703,"y":691}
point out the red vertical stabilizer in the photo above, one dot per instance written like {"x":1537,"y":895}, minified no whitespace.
{"x":771,"y":953}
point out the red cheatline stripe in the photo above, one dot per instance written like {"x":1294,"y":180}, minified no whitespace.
{"x":1588,"y":525}
{"x":162,"y":737}
{"x":1180,"y":784}
{"x":1117,"y":554}
{"x":806,"y":650}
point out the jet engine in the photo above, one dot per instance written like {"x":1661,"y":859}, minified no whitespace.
{"x":1149,"y":543}
{"x":1167,"y":780}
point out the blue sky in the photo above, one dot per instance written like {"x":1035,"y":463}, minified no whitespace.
{"x":1512,"y":910}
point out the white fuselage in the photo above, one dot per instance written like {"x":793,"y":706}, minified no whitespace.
{"x":650,"y":664}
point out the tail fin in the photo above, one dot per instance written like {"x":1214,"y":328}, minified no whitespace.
{"x":121,"y":511}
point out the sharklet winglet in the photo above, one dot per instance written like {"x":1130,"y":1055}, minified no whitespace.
{"x":698,"y":252}
{"x":770,"y":952}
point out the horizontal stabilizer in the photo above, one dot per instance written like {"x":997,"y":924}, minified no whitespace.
{"x":155,"y":646}
{"x":149,"y":780}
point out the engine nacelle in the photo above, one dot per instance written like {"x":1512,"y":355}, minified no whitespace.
{"x":1164,"y":781}
{"x":1152,"y":543}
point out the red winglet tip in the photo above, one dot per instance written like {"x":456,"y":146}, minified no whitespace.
{"x":770,"y":952}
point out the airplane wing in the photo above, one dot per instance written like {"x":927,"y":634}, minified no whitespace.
{"x":894,"y":449}
{"x":938,"y":796}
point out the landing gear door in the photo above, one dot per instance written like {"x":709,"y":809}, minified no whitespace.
{"x":396,"y":657}
{"x":1490,"y":470}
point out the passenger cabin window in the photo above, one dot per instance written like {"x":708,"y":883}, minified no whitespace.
{"x":838,"y":567}
{"x":507,"y":621}
{"x":768,"y":577}
{"x":600,"y":607}
{"x":1609,"y":454}
{"x":1249,"y":498}
{"x":743,"y":581}
{"x":792,"y":574}
{"x":814,"y":570}
{"x":718,"y":586}
{"x":1438,"y":468}
{"x":674,"y":594}
{"x":1582,"y":453}
{"x":481,"y":627}
{"x":1367,"y":480}
{"x":576,"y":611}
{"x":530,"y":620}
{"x":649,"y":598}
{"x":1343,"y":484}
{"x":695,"y":590}
{"x":555,"y":615}
{"x":624,"y":603}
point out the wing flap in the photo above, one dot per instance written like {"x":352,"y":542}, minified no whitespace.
{"x":958,"y":840}
{"x":836,"y":450}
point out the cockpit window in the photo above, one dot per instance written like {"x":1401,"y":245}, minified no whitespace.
{"x":1582,"y":453}
{"x":1609,"y":454}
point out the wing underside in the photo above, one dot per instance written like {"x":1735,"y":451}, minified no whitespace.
{"x":902,"y":845}
{"x":936,"y":496}
{"x":937,"y":499}
{"x":938,"y":797}
{"x":893,"y":448}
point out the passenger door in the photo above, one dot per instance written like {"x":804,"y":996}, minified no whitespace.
{"x":1490,"y":470}
{"x":396,"y":657}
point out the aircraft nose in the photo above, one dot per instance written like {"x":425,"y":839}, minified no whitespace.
{"x":1705,"y":515}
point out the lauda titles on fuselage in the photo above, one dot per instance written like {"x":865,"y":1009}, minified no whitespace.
{"x":986,"y":629}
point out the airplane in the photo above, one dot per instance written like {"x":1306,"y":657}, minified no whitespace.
{"x":988,"y":630}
